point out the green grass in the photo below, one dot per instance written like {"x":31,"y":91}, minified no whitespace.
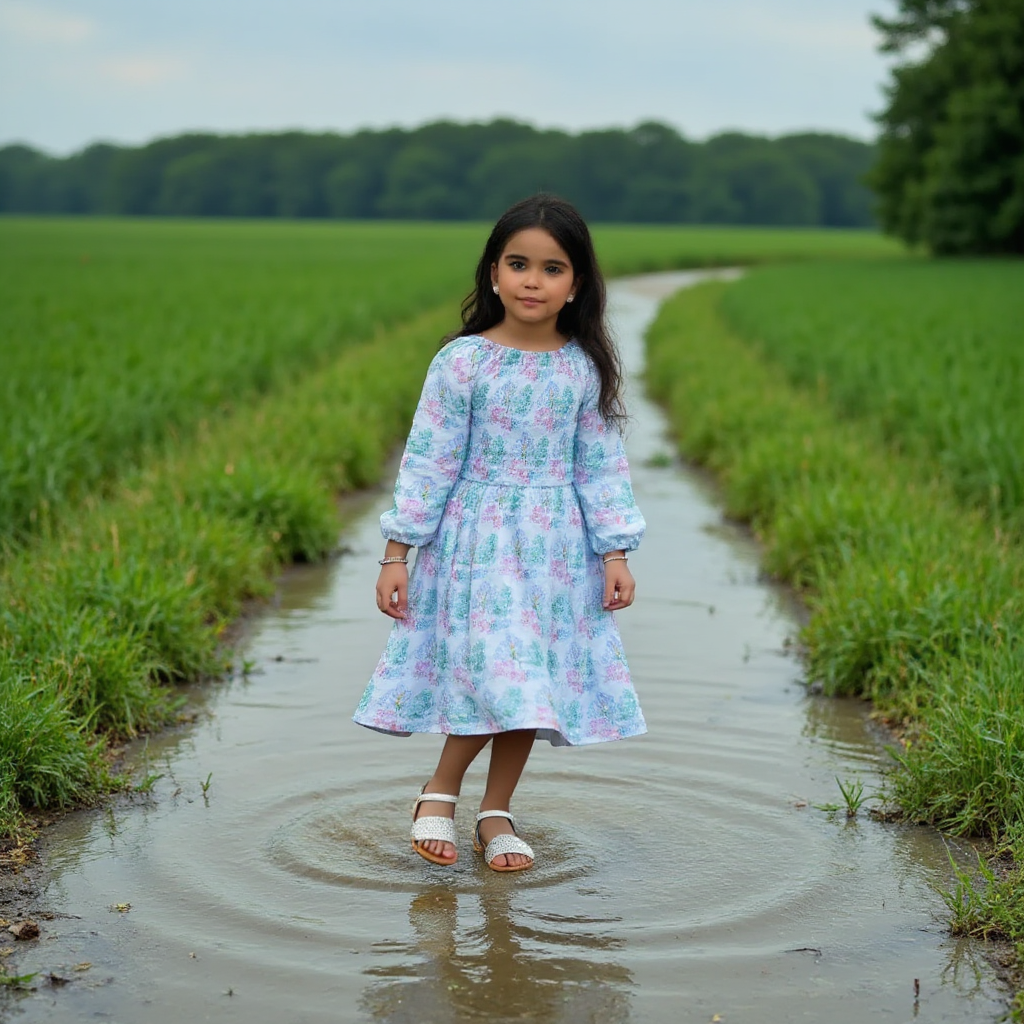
{"x":118,"y":335}
{"x":628,"y":249}
{"x":916,"y":600}
{"x":916,"y":595}
{"x":182,"y":401}
{"x":132,"y":593}
{"x":931,"y":354}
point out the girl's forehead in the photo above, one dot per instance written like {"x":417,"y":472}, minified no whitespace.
{"x":537,"y":243}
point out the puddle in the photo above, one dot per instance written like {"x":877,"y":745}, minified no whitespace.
{"x":682,"y":875}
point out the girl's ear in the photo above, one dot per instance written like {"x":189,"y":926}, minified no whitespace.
{"x":494,"y":274}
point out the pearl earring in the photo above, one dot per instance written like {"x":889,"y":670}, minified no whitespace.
{"x":495,"y":289}
{"x":570,"y":298}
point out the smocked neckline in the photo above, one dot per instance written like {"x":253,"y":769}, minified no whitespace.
{"x":527,"y":351}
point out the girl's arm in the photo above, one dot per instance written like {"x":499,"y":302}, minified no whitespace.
{"x":601,"y":478}
{"x":430,"y":466}
{"x":436,"y":448}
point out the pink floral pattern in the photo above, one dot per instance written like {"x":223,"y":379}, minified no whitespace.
{"x":512,"y":486}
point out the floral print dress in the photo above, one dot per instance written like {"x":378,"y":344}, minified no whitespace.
{"x":512,"y":486}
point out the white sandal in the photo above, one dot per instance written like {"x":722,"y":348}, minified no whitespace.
{"x":501,"y":844}
{"x":435,"y":827}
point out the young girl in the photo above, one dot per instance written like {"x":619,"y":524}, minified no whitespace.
{"x":515,"y":488}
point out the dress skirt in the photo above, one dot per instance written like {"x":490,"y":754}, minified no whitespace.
{"x":505,"y":626}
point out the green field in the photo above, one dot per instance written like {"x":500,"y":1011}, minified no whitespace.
{"x":931,"y":354}
{"x":835,"y":404}
{"x":923,"y":609}
{"x":117,"y":334}
{"x":182,"y":401}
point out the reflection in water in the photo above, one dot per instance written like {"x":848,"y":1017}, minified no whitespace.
{"x":966,"y":969}
{"x":843,"y":723}
{"x":503,"y":963}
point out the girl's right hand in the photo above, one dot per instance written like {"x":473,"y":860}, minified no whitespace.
{"x":393,"y":590}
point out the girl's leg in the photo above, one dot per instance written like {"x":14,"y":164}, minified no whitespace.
{"x":457,"y":754}
{"x":509,"y":754}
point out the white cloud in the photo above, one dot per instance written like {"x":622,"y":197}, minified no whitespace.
{"x":851,"y":34}
{"x":37,"y":24}
{"x":143,"y":70}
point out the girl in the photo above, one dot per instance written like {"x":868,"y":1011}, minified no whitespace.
{"x":515,"y":488}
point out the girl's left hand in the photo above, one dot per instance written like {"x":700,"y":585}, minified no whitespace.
{"x":619,"y":586}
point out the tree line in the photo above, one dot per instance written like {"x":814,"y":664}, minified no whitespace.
{"x":448,"y":171}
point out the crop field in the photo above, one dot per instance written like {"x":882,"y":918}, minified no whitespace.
{"x":626,"y":250}
{"x":862,"y":418}
{"x":931,"y":353}
{"x":181,"y":403}
{"x":117,"y":334}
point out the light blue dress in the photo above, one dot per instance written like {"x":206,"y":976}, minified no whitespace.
{"x":512,"y":486}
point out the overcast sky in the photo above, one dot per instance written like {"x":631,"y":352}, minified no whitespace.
{"x":75,"y":71}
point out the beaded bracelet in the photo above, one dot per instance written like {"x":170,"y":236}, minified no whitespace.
{"x":393,"y":558}
{"x":614,"y":558}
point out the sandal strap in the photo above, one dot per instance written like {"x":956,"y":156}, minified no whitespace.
{"x":495,"y":814}
{"x":424,"y":829}
{"x":441,"y":798}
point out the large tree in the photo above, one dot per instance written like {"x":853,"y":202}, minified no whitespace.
{"x":950,"y":170}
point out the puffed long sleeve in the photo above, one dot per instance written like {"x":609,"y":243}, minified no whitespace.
{"x":601,"y":479}
{"x":436,"y":448}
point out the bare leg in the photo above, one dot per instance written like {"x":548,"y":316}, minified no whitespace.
{"x":457,"y":754}
{"x":509,"y":754}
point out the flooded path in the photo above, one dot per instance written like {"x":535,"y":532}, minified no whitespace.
{"x":680,"y":876}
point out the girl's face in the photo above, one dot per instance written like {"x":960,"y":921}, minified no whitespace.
{"x":534,"y":277}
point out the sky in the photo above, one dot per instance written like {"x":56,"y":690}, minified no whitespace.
{"x":78,"y":71}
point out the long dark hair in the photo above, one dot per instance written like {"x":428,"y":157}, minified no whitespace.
{"x":583,"y":318}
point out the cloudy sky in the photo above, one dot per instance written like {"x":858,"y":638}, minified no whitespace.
{"x":74,"y":71}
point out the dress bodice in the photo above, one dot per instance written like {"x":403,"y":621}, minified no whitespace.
{"x":506,"y":417}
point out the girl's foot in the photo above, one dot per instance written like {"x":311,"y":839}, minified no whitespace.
{"x":489,"y":828}
{"x":440,"y":850}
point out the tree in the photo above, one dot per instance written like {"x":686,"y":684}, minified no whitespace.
{"x":21,"y":170}
{"x":838,"y":167}
{"x":507,"y":173}
{"x":743,"y":179}
{"x":950,"y":170}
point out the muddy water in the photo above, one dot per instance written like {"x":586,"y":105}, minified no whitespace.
{"x":681,"y":875}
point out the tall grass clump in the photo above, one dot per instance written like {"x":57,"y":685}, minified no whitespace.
{"x":927,"y":354}
{"x":47,"y":758}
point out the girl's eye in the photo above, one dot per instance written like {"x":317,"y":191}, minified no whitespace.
{"x":552,"y":270}
{"x":516,"y":264}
